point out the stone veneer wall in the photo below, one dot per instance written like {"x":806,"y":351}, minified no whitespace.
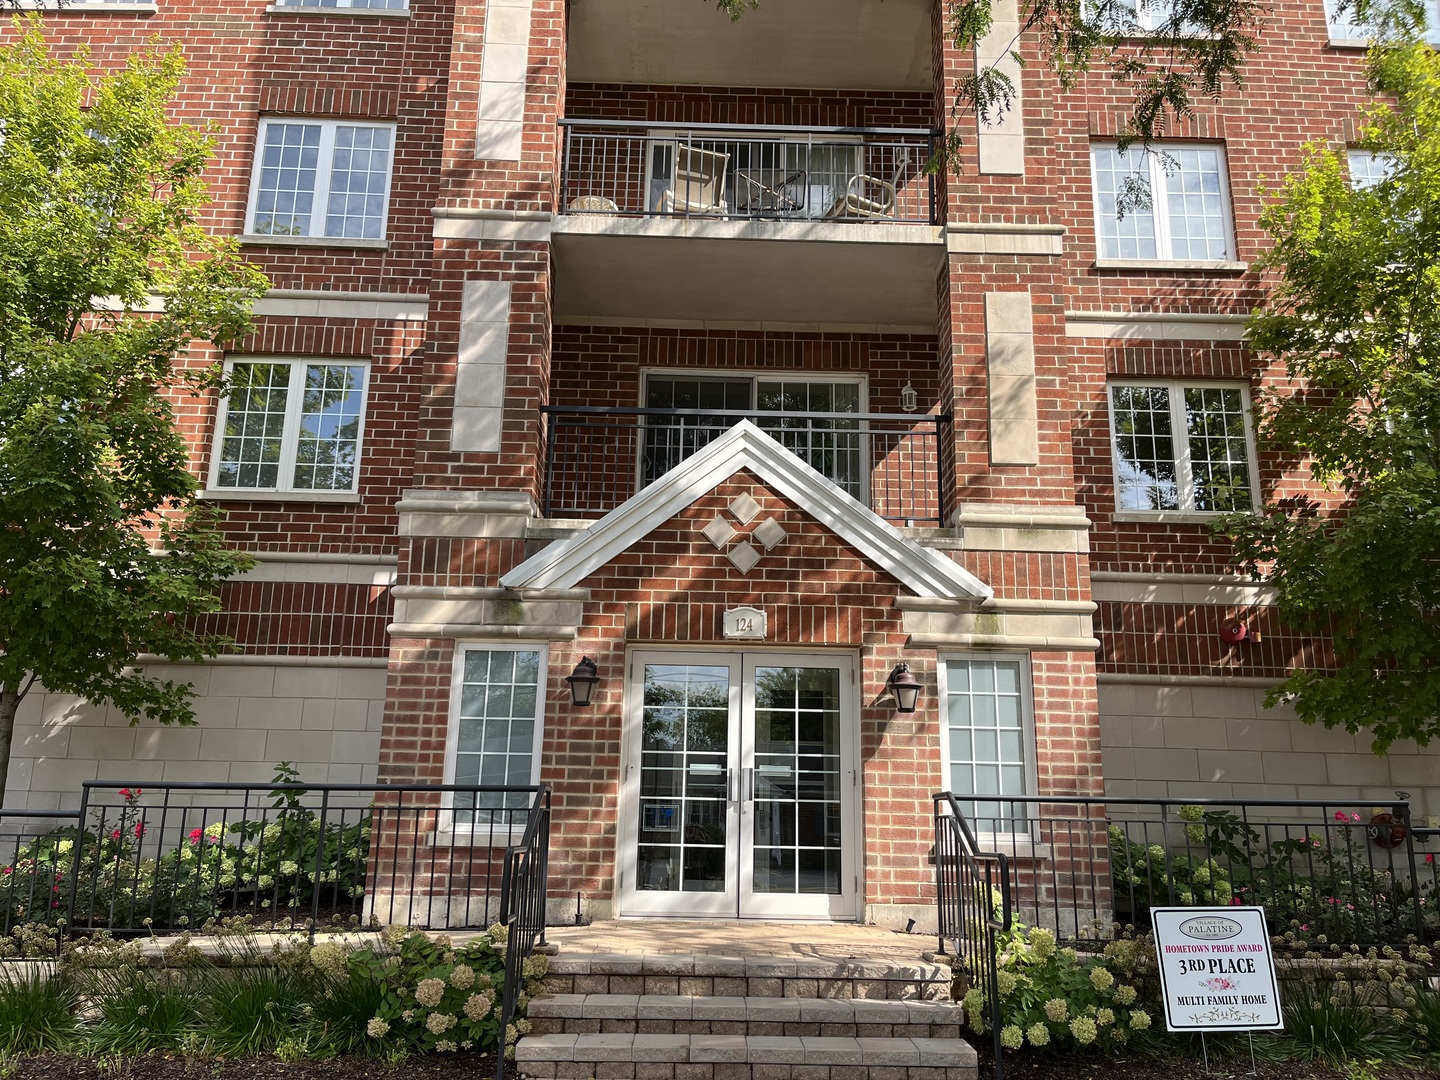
{"x":1218,"y":741}
{"x":322,"y":717}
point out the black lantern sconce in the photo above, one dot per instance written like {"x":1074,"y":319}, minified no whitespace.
{"x":904,"y":687}
{"x":582,"y":681}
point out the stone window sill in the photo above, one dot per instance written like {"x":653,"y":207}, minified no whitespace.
{"x":344,"y":13}
{"x":244,"y":495}
{"x":1225,"y":266}
{"x":258,"y":239}
{"x":83,"y":8}
{"x":1166,"y":517}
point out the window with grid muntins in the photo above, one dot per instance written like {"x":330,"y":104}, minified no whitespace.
{"x":1188,"y":212}
{"x":1345,"y":26}
{"x":291,"y":426}
{"x":1181,"y":447}
{"x":497,"y":732}
{"x":321,"y":179}
{"x":1367,"y":169}
{"x":988,"y":743}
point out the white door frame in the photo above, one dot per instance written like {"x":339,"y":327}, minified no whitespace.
{"x":739,"y":899}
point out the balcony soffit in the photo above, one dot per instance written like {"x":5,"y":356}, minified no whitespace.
{"x":928,"y":573}
{"x":831,"y":44}
{"x":878,"y":275}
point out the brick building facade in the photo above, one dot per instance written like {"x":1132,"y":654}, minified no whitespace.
{"x":534,"y":261}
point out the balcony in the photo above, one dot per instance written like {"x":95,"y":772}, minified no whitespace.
{"x":596,"y":458}
{"x":806,"y":228}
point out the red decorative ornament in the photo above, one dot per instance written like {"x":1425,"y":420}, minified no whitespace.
{"x":1233,"y":631}
{"x":1385,"y":831}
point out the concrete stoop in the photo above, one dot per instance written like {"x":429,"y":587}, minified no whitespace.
{"x":630,"y":1016}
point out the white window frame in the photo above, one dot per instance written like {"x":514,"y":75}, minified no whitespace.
{"x":1386,"y":163}
{"x":1180,"y":447}
{"x":319,"y":213}
{"x":1346,"y":34}
{"x":290,"y":437}
{"x":1008,"y":840}
{"x":1158,"y":180}
{"x":477,"y":833}
{"x":1151,"y":15}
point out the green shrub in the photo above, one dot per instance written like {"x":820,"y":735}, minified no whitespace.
{"x":348,"y":997}
{"x":442,"y":998}
{"x":276,"y":863}
{"x":37,"y":1013}
{"x":1054,"y":999}
{"x":1316,"y":885}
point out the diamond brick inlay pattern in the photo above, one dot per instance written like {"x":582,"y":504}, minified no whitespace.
{"x":719,"y":532}
{"x":770,"y":533}
{"x":744,"y":508}
{"x":744,"y":556}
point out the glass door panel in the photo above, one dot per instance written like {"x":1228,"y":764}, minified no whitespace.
{"x":684,"y":819}
{"x":738,"y":794}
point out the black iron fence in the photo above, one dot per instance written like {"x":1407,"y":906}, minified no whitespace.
{"x":1346,"y":872}
{"x":721,"y":171}
{"x":166,"y":856}
{"x":596,"y":457}
{"x":522,"y":905}
{"x":972,"y":893}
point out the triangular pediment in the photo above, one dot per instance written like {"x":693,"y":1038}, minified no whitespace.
{"x":563,"y":565}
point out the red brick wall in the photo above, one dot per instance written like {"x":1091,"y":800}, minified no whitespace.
{"x":672,"y":587}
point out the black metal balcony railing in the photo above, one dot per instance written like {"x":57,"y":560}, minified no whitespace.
{"x":722,"y":171}
{"x":596,"y":458}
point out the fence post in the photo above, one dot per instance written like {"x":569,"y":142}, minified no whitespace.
{"x":1401,"y":810}
{"x":1165,"y":842}
{"x":319,"y":861}
{"x":80,"y":816}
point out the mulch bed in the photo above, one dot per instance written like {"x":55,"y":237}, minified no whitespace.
{"x":1057,"y":1067}
{"x":165,"y":1067}
{"x":474,"y":1067}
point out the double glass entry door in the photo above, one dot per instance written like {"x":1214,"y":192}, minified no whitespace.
{"x":739,"y":786}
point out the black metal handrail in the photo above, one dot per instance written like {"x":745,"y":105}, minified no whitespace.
{"x":523,"y":891}
{"x":738,"y":171}
{"x":154,"y":856}
{"x":1086,"y":865}
{"x":972,"y":897}
{"x":597,"y":457}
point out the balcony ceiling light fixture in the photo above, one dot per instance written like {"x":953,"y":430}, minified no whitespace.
{"x":909,"y":398}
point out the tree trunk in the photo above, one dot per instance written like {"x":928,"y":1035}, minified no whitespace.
{"x":9,"y":706}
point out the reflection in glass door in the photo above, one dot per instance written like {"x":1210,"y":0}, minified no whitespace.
{"x":738,"y":787}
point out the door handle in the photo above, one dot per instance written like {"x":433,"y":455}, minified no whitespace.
{"x":749,"y":784}
{"x":730,"y":792}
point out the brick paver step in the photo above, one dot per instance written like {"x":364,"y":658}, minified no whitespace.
{"x":759,"y":1016}
{"x":669,"y":974}
{"x":766,"y":1057}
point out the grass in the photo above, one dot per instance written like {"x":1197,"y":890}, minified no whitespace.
{"x":1320,"y":1027}
{"x":37,"y":1013}
{"x":144,"y":1014}
{"x":339,"y":1012}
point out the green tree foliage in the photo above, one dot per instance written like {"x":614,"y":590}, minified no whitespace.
{"x":104,"y":552}
{"x":1355,"y":316}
